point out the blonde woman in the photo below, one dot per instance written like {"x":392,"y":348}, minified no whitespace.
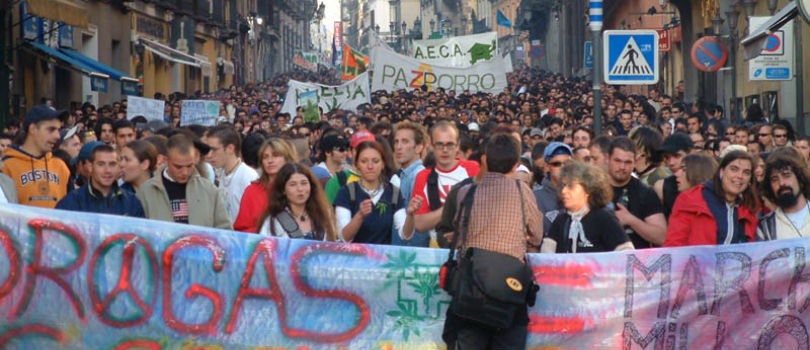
{"x":273,"y":155}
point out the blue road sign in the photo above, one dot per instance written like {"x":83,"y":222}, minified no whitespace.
{"x":537,"y":51}
{"x":588,"y":54}
{"x":631,"y":57}
{"x":709,"y":54}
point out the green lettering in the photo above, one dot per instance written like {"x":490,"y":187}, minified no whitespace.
{"x":400,"y":76}
{"x":358,"y":91}
{"x":457,"y":51}
{"x":430,"y":53}
{"x":460,"y":80}
{"x":325,"y":92}
{"x":388,"y":72}
{"x":418,"y":53}
{"x":492,"y":81}
{"x":443,"y":51}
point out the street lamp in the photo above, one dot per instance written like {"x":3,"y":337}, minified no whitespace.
{"x":717,"y":22}
{"x":417,"y":28}
{"x":749,"y":6}
{"x":463,"y":25}
{"x":733,"y":17}
{"x":432,"y":25}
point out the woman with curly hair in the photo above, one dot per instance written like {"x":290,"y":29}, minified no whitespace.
{"x":298,"y":207}
{"x":586,"y":226}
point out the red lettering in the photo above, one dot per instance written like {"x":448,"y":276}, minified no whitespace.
{"x":266,"y":247}
{"x":139,"y":344}
{"x":419,"y":75}
{"x":195,"y":290}
{"x":35,"y":328}
{"x":13,"y":263}
{"x":303,"y":253}
{"x":124,"y":284}
{"x":51,"y":273}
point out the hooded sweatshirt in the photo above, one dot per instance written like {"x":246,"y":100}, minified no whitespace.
{"x":41,"y":181}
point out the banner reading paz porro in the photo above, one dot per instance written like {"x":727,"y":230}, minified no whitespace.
{"x":458,"y":51}
{"x":393,"y":71}
{"x":85,"y":281}
{"x":347,"y":96}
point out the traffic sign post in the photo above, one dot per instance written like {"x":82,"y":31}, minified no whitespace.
{"x":631,"y":57}
{"x":775,"y":62}
{"x":595,"y":23}
{"x":709,"y":54}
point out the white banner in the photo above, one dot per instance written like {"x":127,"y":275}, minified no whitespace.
{"x":393,"y":72}
{"x":200,"y":112}
{"x":146,"y":107}
{"x":458,"y":51}
{"x":347,"y":96}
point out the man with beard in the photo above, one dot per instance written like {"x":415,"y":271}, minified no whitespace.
{"x":787,"y":184}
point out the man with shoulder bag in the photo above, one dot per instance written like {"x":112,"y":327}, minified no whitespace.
{"x":496,"y":223}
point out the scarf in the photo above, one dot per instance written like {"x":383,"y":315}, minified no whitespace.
{"x":576,"y":232}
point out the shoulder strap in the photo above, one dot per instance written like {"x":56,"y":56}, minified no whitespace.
{"x":288,"y":224}
{"x":466,"y":206}
{"x":342,"y":177}
{"x":395,"y":193}
{"x":352,"y":187}
{"x":434,"y":201}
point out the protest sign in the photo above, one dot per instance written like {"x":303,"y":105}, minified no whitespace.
{"x":85,"y":281}
{"x":347,"y":96}
{"x":147,"y":107}
{"x":393,"y":71}
{"x":200,"y":112}
{"x":457,"y":51}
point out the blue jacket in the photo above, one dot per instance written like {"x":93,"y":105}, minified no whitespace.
{"x":88,"y":199}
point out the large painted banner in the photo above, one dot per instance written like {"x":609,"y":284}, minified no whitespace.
{"x":457,"y":51}
{"x":347,"y":96}
{"x":84,"y":281}
{"x":393,"y":71}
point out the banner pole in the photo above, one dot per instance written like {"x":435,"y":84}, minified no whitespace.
{"x":595,"y":20}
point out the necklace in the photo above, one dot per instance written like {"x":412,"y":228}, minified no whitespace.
{"x":371,"y":193}
{"x":302,"y":217}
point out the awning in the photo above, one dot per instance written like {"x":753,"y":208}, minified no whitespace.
{"x":70,"y":12}
{"x":96,"y":65}
{"x":227,"y":65}
{"x":168,"y":53}
{"x":68,"y":62}
{"x":755,"y":42}
{"x":205,"y":65}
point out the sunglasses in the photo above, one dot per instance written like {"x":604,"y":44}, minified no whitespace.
{"x":779,"y":136}
{"x":556,"y":164}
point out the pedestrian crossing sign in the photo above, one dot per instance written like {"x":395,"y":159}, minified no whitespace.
{"x":631,"y":57}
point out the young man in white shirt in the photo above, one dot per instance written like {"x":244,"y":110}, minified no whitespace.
{"x":233,"y":174}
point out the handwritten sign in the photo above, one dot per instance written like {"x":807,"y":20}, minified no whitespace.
{"x":73,"y":280}
{"x":146,"y":107}
{"x":200,"y":112}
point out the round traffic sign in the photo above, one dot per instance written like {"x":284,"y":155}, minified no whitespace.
{"x":537,"y":51}
{"x":772,"y":43}
{"x":709,"y":54}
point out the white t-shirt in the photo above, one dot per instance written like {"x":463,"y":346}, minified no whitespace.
{"x":797,"y":218}
{"x":232,"y":187}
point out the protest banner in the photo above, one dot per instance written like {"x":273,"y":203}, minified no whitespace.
{"x":354,"y":63}
{"x":146,"y":107}
{"x":457,"y":51}
{"x":393,"y":71}
{"x":306,"y":60}
{"x":200,"y":112}
{"x":347,"y":96}
{"x":74,"y":280}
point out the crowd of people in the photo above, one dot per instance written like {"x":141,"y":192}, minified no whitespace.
{"x":381,"y":174}
{"x":662,"y":172}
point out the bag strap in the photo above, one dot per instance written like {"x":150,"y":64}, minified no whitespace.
{"x":466,"y":206}
{"x":352,"y":187}
{"x":522,"y":207}
{"x":288,"y":224}
{"x":434,"y":201}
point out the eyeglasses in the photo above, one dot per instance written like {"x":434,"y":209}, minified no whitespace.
{"x":556,"y":164}
{"x":764,"y":135}
{"x":445,"y":146}
{"x":779,"y":136}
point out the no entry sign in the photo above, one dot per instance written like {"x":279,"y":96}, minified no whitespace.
{"x":709,"y":54}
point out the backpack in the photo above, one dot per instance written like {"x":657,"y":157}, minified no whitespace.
{"x":352,"y":187}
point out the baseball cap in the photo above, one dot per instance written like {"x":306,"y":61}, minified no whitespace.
{"x":676,"y":142}
{"x":330,"y":142}
{"x":732,"y":148}
{"x":86,"y":151}
{"x":42,"y":112}
{"x":555,"y":149}
{"x":536,"y":132}
{"x":65,"y":134}
{"x":360,"y":137}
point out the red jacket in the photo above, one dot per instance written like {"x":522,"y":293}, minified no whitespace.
{"x":253,"y":204}
{"x":692,"y":222}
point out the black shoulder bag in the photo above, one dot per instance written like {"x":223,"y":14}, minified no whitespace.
{"x":488,"y":288}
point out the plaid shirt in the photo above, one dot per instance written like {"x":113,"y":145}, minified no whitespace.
{"x":496,"y":220}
